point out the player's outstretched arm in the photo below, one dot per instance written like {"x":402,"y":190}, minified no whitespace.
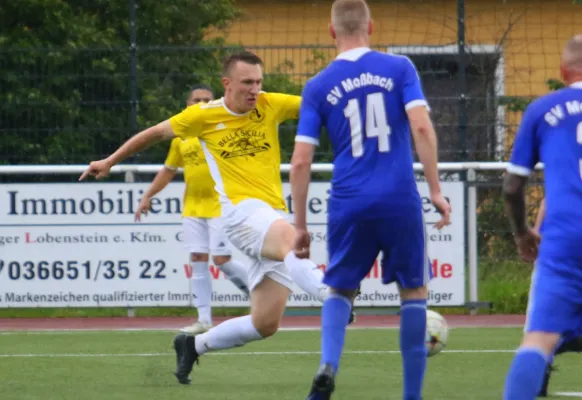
{"x":141,"y":141}
{"x":163,"y":177}
{"x":425,"y":142}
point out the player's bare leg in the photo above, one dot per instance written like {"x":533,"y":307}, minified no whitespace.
{"x":201,"y":286}
{"x":334,"y":320}
{"x":278,"y":245}
{"x":412,"y":340}
{"x":268,"y":301}
{"x":268,"y":297}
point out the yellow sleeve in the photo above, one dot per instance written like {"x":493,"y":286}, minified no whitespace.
{"x":285,"y":105}
{"x":174,"y":158}
{"x":188,"y":123}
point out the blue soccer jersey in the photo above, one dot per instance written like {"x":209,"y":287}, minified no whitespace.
{"x":361,"y":99}
{"x":551,"y":133}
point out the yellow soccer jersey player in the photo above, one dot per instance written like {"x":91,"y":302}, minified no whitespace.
{"x":239,"y":135}
{"x":200,"y":198}
{"x":242,"y":150}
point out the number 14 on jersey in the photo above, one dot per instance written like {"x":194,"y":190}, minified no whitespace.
{"x":376,"y":123}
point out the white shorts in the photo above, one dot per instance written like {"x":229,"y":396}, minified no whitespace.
{"x":246,"y":225}
{"x":205,"y":236}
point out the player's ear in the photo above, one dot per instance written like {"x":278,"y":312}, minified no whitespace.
{"x":225,"y":82}
{"x":331,"y":31}
{"x":370,"y":27}
{"x":563,"y":72}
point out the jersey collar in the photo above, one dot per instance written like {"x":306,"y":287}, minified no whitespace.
{"x":576,"y":85}
{"x":353,"y":54}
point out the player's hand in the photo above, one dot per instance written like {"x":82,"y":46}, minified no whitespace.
{"x":302,"y":243}
{"x":99,"y":169}
{"x":444,"y":209}
{"x":143,"y":208}
{"x":528,"y":244}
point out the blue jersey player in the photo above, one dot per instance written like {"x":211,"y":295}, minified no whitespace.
{"x":369,"y":102}
{"x":568,"y":344}
{"x":550,"y":132}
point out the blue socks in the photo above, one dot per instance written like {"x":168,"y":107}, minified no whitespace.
{"x":334,"y":320}
{"x":526,"y":375}
{"x":413,"y":347}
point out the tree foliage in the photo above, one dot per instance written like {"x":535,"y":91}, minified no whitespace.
{"x":66,"y":65}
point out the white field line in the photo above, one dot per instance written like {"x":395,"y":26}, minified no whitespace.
{"x":231,"y":354}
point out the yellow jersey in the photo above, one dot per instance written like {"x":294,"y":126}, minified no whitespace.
{"x":200,"y":198}
{"x":242,"y":150}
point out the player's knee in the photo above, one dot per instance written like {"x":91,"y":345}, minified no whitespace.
{"x":545,"y":341}
{"x":220,"y":260}
{"x":198,"y":257}
{"x":266,"y":325}
{"x":278,"y":240}
{"x":420,"y":293}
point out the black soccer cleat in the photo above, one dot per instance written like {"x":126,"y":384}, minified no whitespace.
{"x":186,"y":356}
{"x":323,"y":384}
{"x":544,"y":390}
{"x":572,"y":346}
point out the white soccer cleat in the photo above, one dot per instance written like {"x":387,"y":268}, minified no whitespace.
{"x":196,"y":328}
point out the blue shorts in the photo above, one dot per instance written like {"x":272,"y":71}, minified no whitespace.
{"x":555,"y":299}
{"x":353,"y":245}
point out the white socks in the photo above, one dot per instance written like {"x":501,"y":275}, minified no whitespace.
{"x":231,"y":333}
{"x":307,"y":276}
{"x":201,"y":284}
{"x":237,"y":274}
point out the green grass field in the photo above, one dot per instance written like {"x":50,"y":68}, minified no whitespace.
{"x":139,"y":365}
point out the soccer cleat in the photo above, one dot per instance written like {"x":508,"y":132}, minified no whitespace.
{"x":196,"y":328}
{"x":186,"y":356}
{"x":544,"y":390}
{"x":323,"y":384}
{"x":572,"y":346}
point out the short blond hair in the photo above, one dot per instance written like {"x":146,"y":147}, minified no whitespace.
{"x":349,"y":17}
{"x":572,"y":55}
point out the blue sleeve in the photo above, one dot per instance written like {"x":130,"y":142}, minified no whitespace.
{"x":309,"y":127}
{"x":412,"y":93}
{"x":525,"y":154}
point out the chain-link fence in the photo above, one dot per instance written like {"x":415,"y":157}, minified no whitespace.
{"x":479,"y":62}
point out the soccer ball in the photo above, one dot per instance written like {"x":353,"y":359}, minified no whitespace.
{"x":437,"y":333}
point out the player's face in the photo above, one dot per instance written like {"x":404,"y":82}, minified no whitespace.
{"x":243,"y":85}
{"x":199,"y":95}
